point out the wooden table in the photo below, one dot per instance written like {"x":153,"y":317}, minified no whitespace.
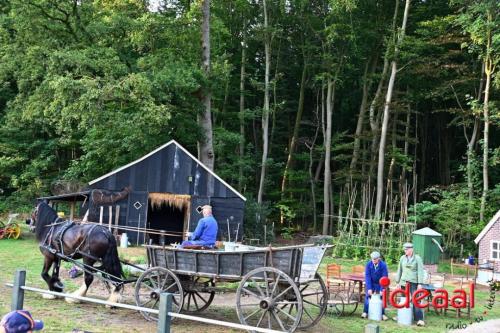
{"x":356,"y":279}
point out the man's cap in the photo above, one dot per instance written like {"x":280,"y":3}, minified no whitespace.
{"x":206,"y":207}
{"x":375,"y":255}
{"x":20,"y":321}
{"x":407,"y":246}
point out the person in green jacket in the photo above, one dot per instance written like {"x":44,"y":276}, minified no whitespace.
{"x":411,"y":271}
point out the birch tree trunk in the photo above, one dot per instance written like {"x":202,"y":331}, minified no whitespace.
{"x":385,"y":117}
{"x":242,"y":107}
{"x":328,"y":146}
{"x":486,"y":114}
{"x":205,"y":145}
{"x":265,"y":110}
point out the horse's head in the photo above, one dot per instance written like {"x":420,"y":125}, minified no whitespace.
{"x":33,"y":218}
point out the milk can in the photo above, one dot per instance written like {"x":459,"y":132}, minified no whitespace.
{"x":405,"y":314}
{"x":375,"y":308}
{"x":124,"y":240}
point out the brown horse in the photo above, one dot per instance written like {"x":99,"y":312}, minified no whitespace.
{"x":60,"y":240}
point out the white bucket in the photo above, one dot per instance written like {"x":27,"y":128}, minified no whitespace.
{"x":124,"y":240}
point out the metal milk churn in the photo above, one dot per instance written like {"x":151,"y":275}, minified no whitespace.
{"x":124,"y":240}
{"x":375,"y":307}
{"x":405,"y":315}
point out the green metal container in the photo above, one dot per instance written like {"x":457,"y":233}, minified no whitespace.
{"x":427,"y":244}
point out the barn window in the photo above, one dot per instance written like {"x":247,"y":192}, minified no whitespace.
{"x":495,"y":250}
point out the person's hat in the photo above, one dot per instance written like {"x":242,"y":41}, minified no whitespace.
{"x":206,"y":207}
{"x":20,"y":321}
{"x":407,"y":246}
{"x":375,"y":255}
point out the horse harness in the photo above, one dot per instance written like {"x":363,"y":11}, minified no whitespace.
{"x":54,"y":240}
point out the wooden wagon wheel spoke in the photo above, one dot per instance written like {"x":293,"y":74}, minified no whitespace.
{"x":253,"y":313}
{"x":287,"y":314}
{"x":252,"y":293}
{"x":197,"y":294}
{"x":276,"y":317}
{"x":283,"y":292}
{"x":307,"y":313}
{"x":311,"y":303}
{"x":259,"y":289}
{"x":195,"y":303}
{"x":260,"y":319}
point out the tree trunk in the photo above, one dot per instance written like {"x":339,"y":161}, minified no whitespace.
{"x":328,"y":146}
{"x":205,"y":145}
{"x":486,"y":114}
{"x":385,"y":119}
{"x":295,"y":134}
{"x":265,"y":110}
{"x":407,"y":143}
{"x":367,"y":82}
{"x":242,"y":108}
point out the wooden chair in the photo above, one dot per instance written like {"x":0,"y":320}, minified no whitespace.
{"x":334,"y":280}
{"x":358,"y":269}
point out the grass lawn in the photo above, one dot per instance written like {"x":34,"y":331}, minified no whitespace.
{"x":60,"y":316}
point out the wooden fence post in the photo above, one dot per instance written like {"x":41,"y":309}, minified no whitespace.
{"x":17,"y":292}
{"x":164,"y":319}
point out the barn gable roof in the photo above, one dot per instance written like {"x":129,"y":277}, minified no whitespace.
{"x":163,"y":147}
{"x":485,"y":230}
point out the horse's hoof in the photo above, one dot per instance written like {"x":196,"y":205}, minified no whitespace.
{"x":49,"y":296}
{"x":72,"y":300}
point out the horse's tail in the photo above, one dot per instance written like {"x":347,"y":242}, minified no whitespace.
{"x":111,"y":261}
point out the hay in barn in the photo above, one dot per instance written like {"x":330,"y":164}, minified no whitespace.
{"x":179,"y":201}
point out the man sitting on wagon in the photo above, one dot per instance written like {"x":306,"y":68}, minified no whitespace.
{"x":205,"y":233}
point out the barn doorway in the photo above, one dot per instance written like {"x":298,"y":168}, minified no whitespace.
{"x":167,"y":212}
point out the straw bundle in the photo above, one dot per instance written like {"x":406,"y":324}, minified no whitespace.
{"x":179,"y":201}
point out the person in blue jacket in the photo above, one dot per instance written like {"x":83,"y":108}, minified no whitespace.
{"x":374,"y":270}
{"x":205,"y":233}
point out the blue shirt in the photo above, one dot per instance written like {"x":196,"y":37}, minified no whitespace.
{"x":206,"y":231}
{"x":373,"y":275}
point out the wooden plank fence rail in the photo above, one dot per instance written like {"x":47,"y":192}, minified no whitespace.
{"x":164,"y":313}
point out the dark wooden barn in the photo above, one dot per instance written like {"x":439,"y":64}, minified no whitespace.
{"x":164,"y":191}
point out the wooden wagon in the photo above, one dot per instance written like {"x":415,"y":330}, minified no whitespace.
{"x":279,"y":288}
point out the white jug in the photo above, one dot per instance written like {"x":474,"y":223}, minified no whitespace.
{"x":405,"y":315}
{"x":375,"y":308}
{"x":124,"y":240}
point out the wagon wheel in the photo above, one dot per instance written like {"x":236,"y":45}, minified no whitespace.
{"x":151,"y":284}
{"x":351,"y":301}
{"x":315,"y":301}
{"x":269,"y":298}
{"x":198,"y":294}
{"x":336,"y":304}
{"x":13,"y":231}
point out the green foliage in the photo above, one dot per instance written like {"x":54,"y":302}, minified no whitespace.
{"x":422,"y":213}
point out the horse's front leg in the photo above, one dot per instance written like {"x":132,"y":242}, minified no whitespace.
{"x":57,"y":285}
{"x":47,"y":264}
{"x":88,"y":278}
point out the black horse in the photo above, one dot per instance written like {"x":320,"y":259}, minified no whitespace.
{"x":90,"y":242}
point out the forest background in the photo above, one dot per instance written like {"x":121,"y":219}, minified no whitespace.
{"x":315,"y":110}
